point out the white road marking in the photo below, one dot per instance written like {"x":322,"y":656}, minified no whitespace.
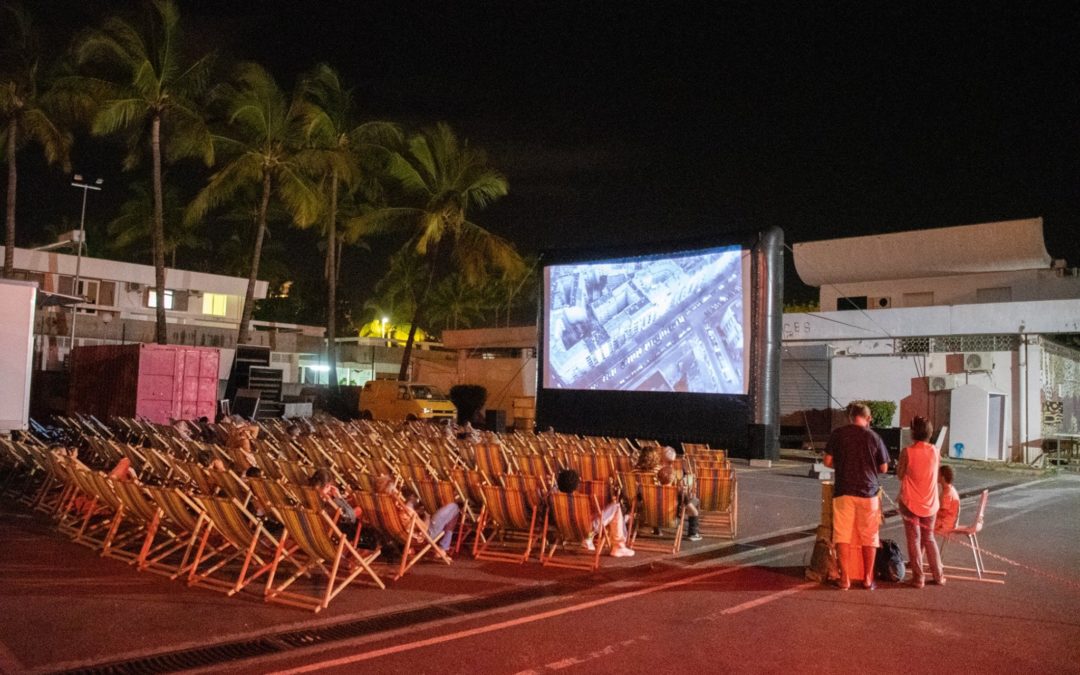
{"x":751,"y":604}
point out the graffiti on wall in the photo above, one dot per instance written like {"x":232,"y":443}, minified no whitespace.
{"x":1060,"y":393}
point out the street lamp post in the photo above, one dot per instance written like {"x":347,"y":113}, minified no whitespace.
{"x":77,"y":181}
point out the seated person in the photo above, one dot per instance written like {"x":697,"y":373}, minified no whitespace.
{"x":123,"y":471}
{"x":334,"y":503}
{"x":949,"y":510}
{"x":666,"y":476}
{"x":611,"y":517}
{"x":444,"y":521}
{"x":648,"y":460}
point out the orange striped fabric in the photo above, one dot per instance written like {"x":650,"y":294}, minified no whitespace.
{"x":573,"y":515}
{"x":176,"y":506}
{"x":715,"y":492}
{"x":659,"y":506}
{"x":507,"y":508}
{"x":314,"y":534}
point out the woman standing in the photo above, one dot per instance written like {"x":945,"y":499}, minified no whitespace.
{"x":918,"y":504}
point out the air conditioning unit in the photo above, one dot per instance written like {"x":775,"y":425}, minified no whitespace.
{"x":978,"y":362}
{"x":944,"y":382}
{"x":134,"y":287}
{"x":879,"y":303}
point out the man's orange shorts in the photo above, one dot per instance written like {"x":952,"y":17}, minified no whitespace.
{"x":856,"y":520}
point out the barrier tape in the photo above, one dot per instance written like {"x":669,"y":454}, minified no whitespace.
{"x":1049,"y":575}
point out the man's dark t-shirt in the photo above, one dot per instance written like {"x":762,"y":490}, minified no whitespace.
{"x":857,"y":453}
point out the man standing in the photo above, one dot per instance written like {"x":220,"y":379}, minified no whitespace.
{"x":857,"y":455}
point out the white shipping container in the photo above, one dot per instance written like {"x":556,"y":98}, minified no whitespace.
{"x":17,"y":300}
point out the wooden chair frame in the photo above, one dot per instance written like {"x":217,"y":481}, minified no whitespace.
{"x":572,"y":517}
{"x":508,"y":512}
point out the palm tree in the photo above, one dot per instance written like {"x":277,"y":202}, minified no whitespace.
{"x":24,"y":113}
{"x":339,"y":148}
{"x":262,"y":142}
{"x":147,"y":92}
{"x":130,"y":232}
{"x":441,"y":180}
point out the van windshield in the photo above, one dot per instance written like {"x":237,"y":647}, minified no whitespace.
{"x":425,"y":391}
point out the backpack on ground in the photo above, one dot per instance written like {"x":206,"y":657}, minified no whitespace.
{"x":889,"y":561}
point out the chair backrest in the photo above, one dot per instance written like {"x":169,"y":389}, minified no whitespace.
{"x":471,"y":481}
{"x":534,"y":465}
{"x":573,"y":515}
{"x":136,"y":501}
{"x":633,"y":481}
{"x":270,"y":495}
{"x":534,"y":487}
{"x":177,"y":506}
{"x":490,"y":460}
{"x":510,"y":508}
{"x":659,"y":505}
{"x":715,"y":492}
{"x":312,"y":531}
{"x":980,"y":513}
{"x":435,"y":494}
{"x":230,"y":519}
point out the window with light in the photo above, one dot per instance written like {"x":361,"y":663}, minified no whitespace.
{"x":215,"y":304}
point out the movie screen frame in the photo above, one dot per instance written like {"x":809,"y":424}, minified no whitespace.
{"x":673,"y":321}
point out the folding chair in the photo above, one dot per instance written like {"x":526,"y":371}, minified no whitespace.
{"x":138,"y":504}
{"x":660,"y":510}
{"x":508,"y":512}
{"x":491,"y":461}
{"x":571,"y":516}
{"x":245,"y":535}
{"x":435,"y":494}
{"x":719,"y":510}
{"x":972,"y":533}
{"x":534,"y":487}
{"x":387,"y":515}
{"x":186,"y":520}
{"x":322,"y":544}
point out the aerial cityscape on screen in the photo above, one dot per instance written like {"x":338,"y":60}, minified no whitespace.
{"x":672,"y":323}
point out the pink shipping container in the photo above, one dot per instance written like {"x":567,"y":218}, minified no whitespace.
{"x":158,"y":382}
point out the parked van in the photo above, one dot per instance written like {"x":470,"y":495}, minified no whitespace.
{"x":395,"y":400}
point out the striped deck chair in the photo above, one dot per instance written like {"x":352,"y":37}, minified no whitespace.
{"x":622,"y":463}
{"x":268,"y":465}
{"x":570,"y":519}
{"x":599,"y":489}
{"x":632,"y":483}
{"x":470,"y":481}
{"x":97,"y":513}
{"x":535,"y":488}
{"x":414,"y":472}
{"x":533,"y":465}
{"x":491,"y":461}
{"x":230,"y":485}
{"x":659,"y":508}
{"x":185,"y":518}
{"x":270,"y":495}
{"x":507,"y":512}
{"x":594,"y":467}
{"x":719,"y":495}
{"x":246,"y":538}
{"x":320,"y":544}
{"x":295,"y":472}
{"x":384,"y":514}
{"x":139,"y":504}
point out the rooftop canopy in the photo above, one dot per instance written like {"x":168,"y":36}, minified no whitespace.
{"x":987,"y":247}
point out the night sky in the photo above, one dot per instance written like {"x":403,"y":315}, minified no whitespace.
{"x":622,"y":124}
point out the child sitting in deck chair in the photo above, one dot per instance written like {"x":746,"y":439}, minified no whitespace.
{"x":611,"y":517}
{"x":666,"y":476}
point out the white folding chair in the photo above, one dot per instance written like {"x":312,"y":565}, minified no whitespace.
{"x":972,"y":534}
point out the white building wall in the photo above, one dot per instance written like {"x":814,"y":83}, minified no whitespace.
{"x":1021,"y":286}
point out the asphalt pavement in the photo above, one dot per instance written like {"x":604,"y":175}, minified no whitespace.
{"x":717,"y":605}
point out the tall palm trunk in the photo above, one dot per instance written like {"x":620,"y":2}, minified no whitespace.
{"x":243,"y":336}
{"x":418,"y":315}
{"x":331,"y":283}
{"x":161,"y":334}
{"x":9,"y":235}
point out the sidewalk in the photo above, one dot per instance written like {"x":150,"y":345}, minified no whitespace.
{"x":65,"y":607}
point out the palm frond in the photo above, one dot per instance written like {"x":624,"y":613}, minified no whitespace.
{"x":300,"y":195}
{"x":55,"y":142}
{"x":118,"y":115}
{"x":242,"y":171}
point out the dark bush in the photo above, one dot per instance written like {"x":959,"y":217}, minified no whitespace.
{"x":469,"y":400}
